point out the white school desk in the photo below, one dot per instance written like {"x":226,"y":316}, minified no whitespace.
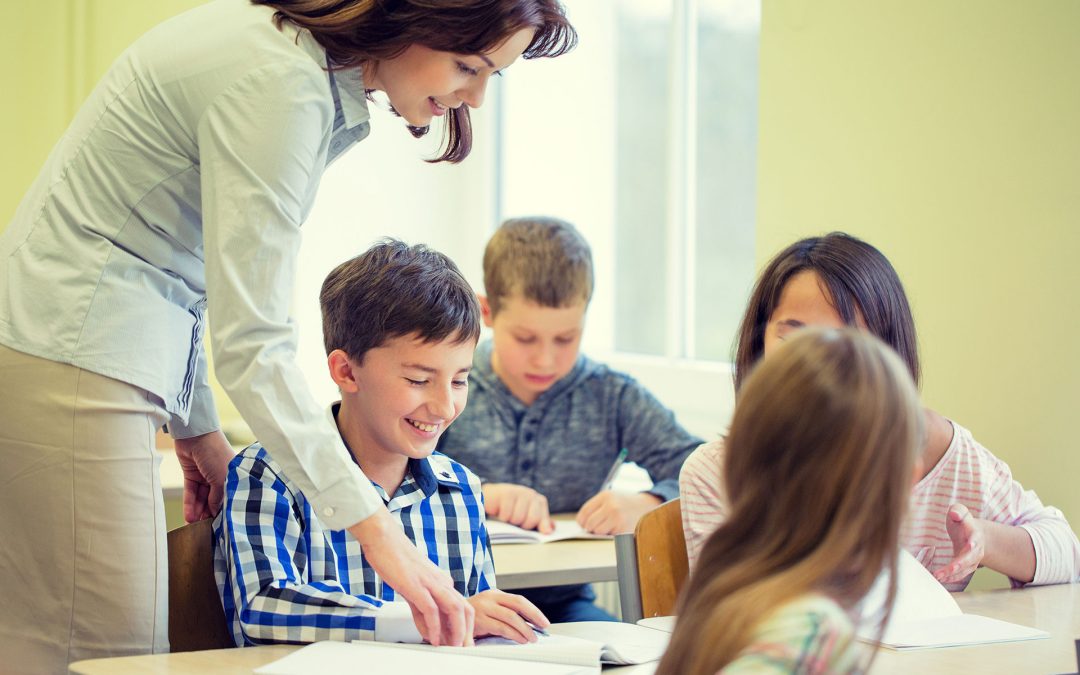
{"x":1055,"y":609}
{"x":580,"y":561}
{"x":231,"y":662}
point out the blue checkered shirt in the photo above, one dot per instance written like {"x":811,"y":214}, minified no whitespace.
{"x":284,"y":577}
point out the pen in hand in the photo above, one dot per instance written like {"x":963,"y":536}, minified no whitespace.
{"x":610,"y":478}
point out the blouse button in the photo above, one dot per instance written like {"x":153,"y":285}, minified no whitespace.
{"x":328,"y":511}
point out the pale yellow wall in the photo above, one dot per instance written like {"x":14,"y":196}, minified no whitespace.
{"x":948,"y":135}
{"x":54,"y":53}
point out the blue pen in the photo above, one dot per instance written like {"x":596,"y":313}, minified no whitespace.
{"x":619,"y":459}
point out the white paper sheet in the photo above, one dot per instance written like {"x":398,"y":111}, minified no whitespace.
{"x":505,"y":533}
{"x":926,"y":615}
{"x":664,"y":623}
{"x":624,"y":643}
{"x":349,"y":658}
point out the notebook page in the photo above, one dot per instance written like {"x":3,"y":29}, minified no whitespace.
{"x":919,"y":596}
{"x":624,"y":643}
{"x":556,"y":649}
{"x":505,"y":533}
{"x":956,"y":631}
{"x":348,"y":658}
{"x":664,"y":623}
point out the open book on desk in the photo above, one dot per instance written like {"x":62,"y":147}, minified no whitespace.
{"x":505,"y":533}
{"x":586,"y":644}
{"x":925,"y":615}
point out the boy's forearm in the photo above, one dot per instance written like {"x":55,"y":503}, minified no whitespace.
{"x":1009,"y":550}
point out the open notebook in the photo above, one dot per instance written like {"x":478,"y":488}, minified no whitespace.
{"x":925,"y":615}
{"x":505,"y":533}
{"x":586,"y":644}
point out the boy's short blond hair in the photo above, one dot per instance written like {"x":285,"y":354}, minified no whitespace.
{"x":541,"y":259}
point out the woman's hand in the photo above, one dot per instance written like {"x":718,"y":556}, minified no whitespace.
{"x":505,"y":615}
{"x":518,"y":505}
{"x":205,"y":461}
{"x":441,"y":614}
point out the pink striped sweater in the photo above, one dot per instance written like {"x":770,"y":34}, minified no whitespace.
{"x":967,"y":473}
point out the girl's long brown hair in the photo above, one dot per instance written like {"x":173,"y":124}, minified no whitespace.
{"x":818,"y":468}
{"x":361,"y":32}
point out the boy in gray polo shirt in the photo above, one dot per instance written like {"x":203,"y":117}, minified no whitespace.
{"x":544,"y":422}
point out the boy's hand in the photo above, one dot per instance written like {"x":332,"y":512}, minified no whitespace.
{"x":615,"y":512}
{"x":969,"y":545}
{"x":518,"y":505}
{"x":505,"y":615}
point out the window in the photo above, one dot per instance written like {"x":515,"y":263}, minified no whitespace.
{"x":645,"y":138}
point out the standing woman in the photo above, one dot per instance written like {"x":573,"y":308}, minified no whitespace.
{"x":175,"y":200}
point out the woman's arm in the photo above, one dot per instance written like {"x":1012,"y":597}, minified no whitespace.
{"x":262,"y":149}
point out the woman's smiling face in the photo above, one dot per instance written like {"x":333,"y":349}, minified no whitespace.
{"x":423,"y":83}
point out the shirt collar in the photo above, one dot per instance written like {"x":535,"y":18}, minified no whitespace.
{"x":348,"y":83}
{"x":424,"y":475}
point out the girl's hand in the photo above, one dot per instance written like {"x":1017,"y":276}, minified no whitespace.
{"x":615,"y":512}
{"x":505,"y":615}
{"x":518,"y":505}
{"x":969,"y":545}
{"x":204,"y":461}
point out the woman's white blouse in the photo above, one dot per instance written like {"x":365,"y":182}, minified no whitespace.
{"x":175,"y":199}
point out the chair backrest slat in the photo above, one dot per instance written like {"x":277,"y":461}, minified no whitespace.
{"x":196,"y":619}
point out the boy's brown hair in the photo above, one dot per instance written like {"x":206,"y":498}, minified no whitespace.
{"x":542,"y":259}
{"x":394,"y":289}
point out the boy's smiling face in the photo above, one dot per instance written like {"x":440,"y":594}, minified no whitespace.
{"x":534,"y":346}
{"x":400,"y":398}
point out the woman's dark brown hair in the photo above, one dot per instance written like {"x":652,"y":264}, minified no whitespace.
{"x":861,"y":283}
{"x":355,"y":32}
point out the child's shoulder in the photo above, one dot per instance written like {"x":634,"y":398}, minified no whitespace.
{"x":256,"y":463}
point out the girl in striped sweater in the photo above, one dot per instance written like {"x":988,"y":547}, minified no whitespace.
{"x":966,"y":510}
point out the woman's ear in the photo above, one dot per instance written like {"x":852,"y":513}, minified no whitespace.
{"x":485,"y":309}
{"x":341,"y":371}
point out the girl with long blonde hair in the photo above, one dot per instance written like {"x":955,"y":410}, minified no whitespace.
{"x":819,"y":464}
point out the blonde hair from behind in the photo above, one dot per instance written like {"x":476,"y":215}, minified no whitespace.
{"x":818,"y":468}
{"x":541,"y":259}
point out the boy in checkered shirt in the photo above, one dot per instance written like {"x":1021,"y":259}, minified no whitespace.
{"x":400,"y":324}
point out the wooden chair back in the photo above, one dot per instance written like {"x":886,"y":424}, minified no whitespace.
{"x":652,"y":563}
{"x":196,"y":619}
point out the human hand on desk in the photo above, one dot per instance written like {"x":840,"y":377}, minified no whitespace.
{"x":969,"y":545}
{"x":505,"y":615}
{"x":1003,"y":548}
{"x":518,"y":505}
{"x":611,"y":512}
{"x":205,"y":462}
